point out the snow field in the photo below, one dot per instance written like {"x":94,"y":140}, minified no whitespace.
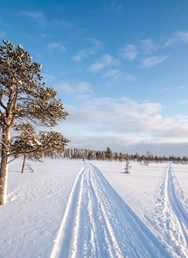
{"x":70,"y":208}
{"x":160,"y":197}
{"x":36,"y":203}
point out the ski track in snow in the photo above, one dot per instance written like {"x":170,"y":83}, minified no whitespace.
{"x":170,"y":220}
{"x":98,"y":223}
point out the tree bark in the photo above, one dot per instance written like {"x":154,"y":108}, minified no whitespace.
{"x":4,"y":165}
{"x":23,"y":164}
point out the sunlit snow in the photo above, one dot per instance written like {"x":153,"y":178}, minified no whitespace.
{"x":74,"y":208}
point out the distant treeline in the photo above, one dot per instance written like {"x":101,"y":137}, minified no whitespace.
{"x":119,"y":156}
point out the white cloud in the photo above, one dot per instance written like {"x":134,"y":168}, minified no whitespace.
{"x":115,"y":75}
{"x":124,"y":116}
{"x":103,"y":62}
{"x":148,"y":46}
{"x":152,"y":61}
{"x":96,"y":44}
{"x":56,"y":45}
{"x":67,"y":88}
{"x":78,"y":88}
{"x":120,"y":115}
{"x":124,"y":123}
{"x":85,"y":87}
{"x":176,"y":38}
{"x":129,"y":52}
{"x":84,"y":53}
{"x":112,"y":73}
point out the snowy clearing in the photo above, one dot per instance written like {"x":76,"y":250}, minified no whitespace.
{"x":70,"y":208}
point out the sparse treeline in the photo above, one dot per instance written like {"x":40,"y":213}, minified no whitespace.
{"x":119,"y":156}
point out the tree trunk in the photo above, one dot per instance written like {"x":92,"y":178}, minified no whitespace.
{"x":23,"y":164}
{"x":4,"y":166}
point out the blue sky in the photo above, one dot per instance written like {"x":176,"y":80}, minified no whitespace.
{"x":120,"y":67}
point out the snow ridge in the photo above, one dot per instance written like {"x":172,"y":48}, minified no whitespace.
{"x":98,"y":223}
{"x":170,"y":220}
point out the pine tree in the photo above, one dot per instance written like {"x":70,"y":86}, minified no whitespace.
{"x":35,"y":146}
{"x":23,"y":99}
{"x":108,"y":153}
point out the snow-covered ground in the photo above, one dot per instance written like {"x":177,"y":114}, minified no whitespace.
{"x":71,"y":208}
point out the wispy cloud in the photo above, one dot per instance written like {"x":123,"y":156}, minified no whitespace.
{"x":82,"y":54}
{"x":115,"y":75}
{"x":176,"y":38}
{"x":166,"y":89}
{"x":129,"y":52}
{"x":153,"y":61}
{"x":37,"y":16}
{"x":77,"y":88}
{"x":112,"y":73}
{"x":56,"y":45}
{"x":86,"y":52}
{"x":148,"y":46}
{"x":172,"y":88}
{"x":102,"y":63}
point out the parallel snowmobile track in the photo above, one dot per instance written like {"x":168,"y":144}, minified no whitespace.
{"x":170,"y":220}
{"x":97,"y":223}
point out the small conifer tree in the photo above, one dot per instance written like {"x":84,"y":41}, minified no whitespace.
{"x":127,"y":166}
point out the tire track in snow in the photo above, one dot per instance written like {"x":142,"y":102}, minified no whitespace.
{"x":98,"y":223}
{"x":170,"y":219}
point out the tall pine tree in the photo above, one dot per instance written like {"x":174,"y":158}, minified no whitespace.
{"x":24,"y":98}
